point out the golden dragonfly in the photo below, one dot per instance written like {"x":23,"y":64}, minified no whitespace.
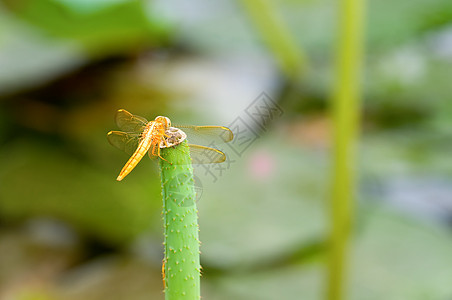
{"x":140,"y":136}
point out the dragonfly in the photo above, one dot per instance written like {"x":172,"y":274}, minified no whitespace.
{"x":140,"y":136}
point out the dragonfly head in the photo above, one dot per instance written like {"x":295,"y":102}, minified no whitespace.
{"x":163,"y":120}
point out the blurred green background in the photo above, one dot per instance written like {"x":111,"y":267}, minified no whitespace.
{"x":68,"y":230}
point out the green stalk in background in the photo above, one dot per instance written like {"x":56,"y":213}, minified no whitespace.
{"x":346,"y":116}
{"x":277,"y":36}
{"x":181,"y":262}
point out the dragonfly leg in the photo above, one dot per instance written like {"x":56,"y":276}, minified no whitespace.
{"x":163,"y":273}
{"x":158,"y":154}
{"x":164,"y":141}
{"x":165,"y":135}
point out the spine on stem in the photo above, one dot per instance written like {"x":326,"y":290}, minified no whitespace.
{"x":181,"y":269}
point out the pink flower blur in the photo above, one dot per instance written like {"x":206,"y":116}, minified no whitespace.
{"x":261,"y":165}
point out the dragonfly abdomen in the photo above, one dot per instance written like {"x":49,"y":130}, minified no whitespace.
{"x":148,"y":139}
{"x":142,"y":148}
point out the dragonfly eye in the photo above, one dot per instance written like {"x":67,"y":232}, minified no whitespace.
{"x":164,"y":120}
{"x":168,"y":122}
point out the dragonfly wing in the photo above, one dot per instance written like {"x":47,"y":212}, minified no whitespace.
{"x":205,"y":155}
{"x":151,"y":152}
{"x":125,"y":141}
{"x":207,"y":135}
{"x":128,"y":122}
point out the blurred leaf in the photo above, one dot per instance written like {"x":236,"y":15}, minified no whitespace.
{"x":38,"y":180}
{"x":106,"y":28}
{"x":399,"y":257}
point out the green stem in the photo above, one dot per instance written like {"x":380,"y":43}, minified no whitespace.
{"x":182,"y":268}
{"x":277,"y":36}
{"x":346,"y":115}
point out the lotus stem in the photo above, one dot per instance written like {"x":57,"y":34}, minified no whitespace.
{"x":181,"y":268}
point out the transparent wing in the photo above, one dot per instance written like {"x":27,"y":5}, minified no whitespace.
{"x":128,"y":122}
{"x":201,"y":154}
{"x":207,"y":135}
{"x":151,"y":153}
{"x":205,"y":155}
{"x":124,"y":141}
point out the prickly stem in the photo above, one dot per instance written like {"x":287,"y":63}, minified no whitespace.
{"x":181,"y":261}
